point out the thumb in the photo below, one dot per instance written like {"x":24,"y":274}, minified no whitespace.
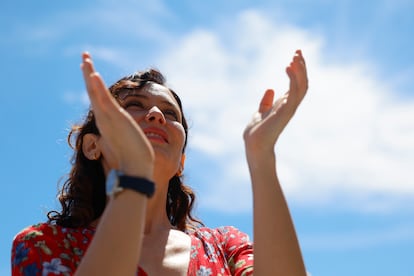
{"x":267,"y":101}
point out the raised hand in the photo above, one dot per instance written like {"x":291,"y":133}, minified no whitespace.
{"x":276,"y":248}
{"x":272,"y":117}
{"x":122,"y":140}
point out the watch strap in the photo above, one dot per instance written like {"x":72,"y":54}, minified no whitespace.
{"x":138,"y":184}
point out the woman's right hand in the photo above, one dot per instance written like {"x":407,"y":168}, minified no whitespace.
{"x":121,"y":138}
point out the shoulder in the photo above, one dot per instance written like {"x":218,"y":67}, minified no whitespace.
{"x":50,"y":231}
{"x":223,"y":233}
{"x":42,"y":246}
{"x":46,"y":233}
{"x":34,"y":232}
{"x":226,"y":238}
{"x":225,"y":246}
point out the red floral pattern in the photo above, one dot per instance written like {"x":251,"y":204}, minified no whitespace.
{"x":47,"y":249}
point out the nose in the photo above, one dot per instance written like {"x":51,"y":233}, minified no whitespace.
{"x":155,"y":115}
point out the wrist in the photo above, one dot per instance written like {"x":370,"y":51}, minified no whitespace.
{"x":259,"y":152}
{"x":117,"y":182}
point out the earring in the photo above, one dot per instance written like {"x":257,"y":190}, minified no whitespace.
{"x":180,"y":171}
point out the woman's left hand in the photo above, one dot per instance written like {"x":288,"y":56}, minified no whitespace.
{"x":269,"y":121}
{"x":121,"y":137}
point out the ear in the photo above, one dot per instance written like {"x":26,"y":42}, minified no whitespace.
{"x":182,"y":161}
{"x":90,"y":147}
{"x":181,"y":168}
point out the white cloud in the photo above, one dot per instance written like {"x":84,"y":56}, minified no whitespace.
{"x":349,"y":145}
{"x":350,"y":140}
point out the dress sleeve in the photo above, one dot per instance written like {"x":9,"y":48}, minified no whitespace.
{"x":36,"y":253}
{"x":238,"y":250}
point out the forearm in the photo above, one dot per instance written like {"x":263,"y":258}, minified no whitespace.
{"x":115,"y":248}
{"x":276,"y":248}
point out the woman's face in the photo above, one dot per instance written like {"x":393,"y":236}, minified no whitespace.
{"x":158,"y":114}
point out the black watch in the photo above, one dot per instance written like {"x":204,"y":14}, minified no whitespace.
{"x":117,"y":181}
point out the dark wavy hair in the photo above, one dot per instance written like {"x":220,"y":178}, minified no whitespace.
{"x":83,"y":195}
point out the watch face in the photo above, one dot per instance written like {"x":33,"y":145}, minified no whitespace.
{"x":111,"y":181}
{"x":116,"y":182}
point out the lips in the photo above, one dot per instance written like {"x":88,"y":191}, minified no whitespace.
{"x":156,"y":134}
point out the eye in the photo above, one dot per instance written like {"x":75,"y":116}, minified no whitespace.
{"x":171,"y":114}
{"x":132,"y":105}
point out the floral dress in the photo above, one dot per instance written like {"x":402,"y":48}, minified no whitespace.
{"x":48,"y":249}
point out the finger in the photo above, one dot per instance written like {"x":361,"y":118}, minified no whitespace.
{"x":293,"y":83}
{"x":299,"y":56}
{"x":87,"y":70}
{"x":87,"y":67}
{"x":99,"y":95}
{"x":301,"y":68}
{"x":103,"y":104}
{"x":299,"y":52}
{"x":98,"y":92}
{"x":267,"y":101}
{"x":89,"y":76}
{"x":297,"y":75}
{"x":298,"y":62}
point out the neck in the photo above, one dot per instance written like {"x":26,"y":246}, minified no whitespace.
{"x":156,"y":215}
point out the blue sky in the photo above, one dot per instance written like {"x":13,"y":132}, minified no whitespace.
{"x":345,"y":161}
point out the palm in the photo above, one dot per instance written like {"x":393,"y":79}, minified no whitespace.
{"x":272,"y":117}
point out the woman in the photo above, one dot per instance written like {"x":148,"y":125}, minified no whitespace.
{"x":134,"y":137}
